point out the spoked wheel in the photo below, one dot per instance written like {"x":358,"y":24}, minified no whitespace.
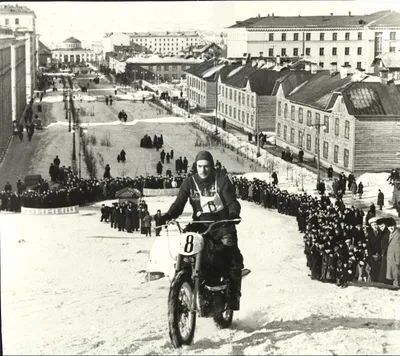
{"x":181,"y":320}
{"x":224,"y":319}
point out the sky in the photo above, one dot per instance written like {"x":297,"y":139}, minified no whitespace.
{"x":89,"y":21}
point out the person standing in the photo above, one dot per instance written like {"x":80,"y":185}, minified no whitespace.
{"x":147,"y":223}
{"x":301,"y":156}
{"x":384,"y":238}
{"x":393,"y":253}
{"x":274,"y":176}
{"x":360,"y":190}
{"x":157,"y":221}
{"x":111,"y":100}
{"x":106,"y":100}
{"x":330,"y":172}
{"x":353,"y":188}
{"x":381,"y":199}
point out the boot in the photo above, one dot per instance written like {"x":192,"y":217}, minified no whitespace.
{"x":236,"y":286}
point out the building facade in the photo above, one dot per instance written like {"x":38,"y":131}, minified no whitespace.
{"x":71,"y":51}
{"x":387,"y":65}
{"x":352,"y":125}
{"x":353,"y":40}
{"x":115,"y":39}
{"x":22,"y":21}
{"x":166,"y":42}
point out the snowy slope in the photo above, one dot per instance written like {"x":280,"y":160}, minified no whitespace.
{"x":76,"y":286}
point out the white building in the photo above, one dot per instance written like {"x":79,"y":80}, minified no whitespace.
{"x":71,"y":51}
{"x":353,"y":40}
{"x":22,"y":21}
{"x":115,"y":39}
{"x":166,"y":42}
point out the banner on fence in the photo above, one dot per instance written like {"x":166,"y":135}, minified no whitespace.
{"x":160,"y":192}
{"x":51,"y":211}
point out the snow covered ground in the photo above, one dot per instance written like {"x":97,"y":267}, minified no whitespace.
{"x":73,"y":285}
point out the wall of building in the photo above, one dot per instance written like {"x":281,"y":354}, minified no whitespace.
{"x":72,"y":56}
{"x":266,"y":111}
{"x":5,"y":97}
{"x":211,"y":93}
{"x":377,"y":145}
{"x":20,"y":80}
{"x":166,"y":71}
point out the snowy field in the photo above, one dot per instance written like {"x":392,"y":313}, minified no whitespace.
{"x":72,"y":285}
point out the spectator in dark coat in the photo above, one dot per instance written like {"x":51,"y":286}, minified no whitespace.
{"x":360,"y":190}
{"x":384,"y":238}
{"x":159,"y":168}
{"x":8,"y":187}
{"x":374,"y":249}
{"x":172,"y":154}
{"x":157,"y":221}
{"x":56,"y":161}
{"x":107,"y":172}
{"x":274,"y":178}
{"x":381,"y":199}
{"x":330,"y":172}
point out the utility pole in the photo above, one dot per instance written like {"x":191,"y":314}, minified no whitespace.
{"x":216,"y":108}
{"x":188,"y":101}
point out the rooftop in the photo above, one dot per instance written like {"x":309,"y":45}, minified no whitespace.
{"x":15,"y":10}
{"x":165,"y":60}
{"x":163,"y":34}
{"x":72,"y":40}
{"x":389,"y":59}
{"x":380,"y":18}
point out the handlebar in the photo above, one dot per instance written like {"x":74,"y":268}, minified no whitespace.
{"x":212,"y":223}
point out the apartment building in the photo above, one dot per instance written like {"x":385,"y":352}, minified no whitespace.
{"x":22,"y":21}
{"x":246,"y":96}
{"x":351,"y":121}
{"x":352,"y":40}
{"x":166,"y":42}
{"x":12,"y":84}
{"x":115,"y":39}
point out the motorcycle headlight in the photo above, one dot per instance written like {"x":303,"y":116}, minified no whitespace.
{"x":188,"y":259}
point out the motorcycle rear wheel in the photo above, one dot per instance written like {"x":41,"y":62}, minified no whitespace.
{"x":224,"y":319}
{"x":181,"y":320}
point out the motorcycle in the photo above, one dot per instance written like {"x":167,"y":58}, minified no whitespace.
{"x":197,"y":288}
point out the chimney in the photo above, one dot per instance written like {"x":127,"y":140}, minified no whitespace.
{"x":349,"y":13}
{"x":273,"y":15}
{"x":331,"y":13}
{"x":307,"y":66}
{"x":268,"y":15}
{"x":358,"y":75}
{"x":313,"y":68}
{"x":278,"y":60}
{"x":261,"y":55}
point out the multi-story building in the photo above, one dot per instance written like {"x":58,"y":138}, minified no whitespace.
{"x":163,"y":68}
{"x":353,"y":40}
{"x":387,"y":65}
{"x":71,"y":51}
{"x":246,"y":97}
{"x":22,"y":21}
{"x":12,"y":84}
{"x":44,"y":55}
{"x":166,"y":42}
{"x":351,"y":122}
{"x":115,"y":39}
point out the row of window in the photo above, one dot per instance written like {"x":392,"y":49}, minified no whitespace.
{"x":309,"y":119}
{"x":238,"y":115}
{"x":196,"y":83}
{"x":7,"y":21}
{"x":236,"y":95}
{"x":166,"y":40}
{"x":325,"y":149}
{"x":322,"y":37}
{"x":82,"y":55}
{"x":322,"y":51}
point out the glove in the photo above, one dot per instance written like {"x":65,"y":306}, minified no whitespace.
{"x":164,"y":218}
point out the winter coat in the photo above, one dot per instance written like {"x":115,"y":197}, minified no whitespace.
{"x":393,"y":255}
{"x":147,"y":221}
{"x":384,"y":236}
{"x":353,"y":187}
{"x":381,"y":199}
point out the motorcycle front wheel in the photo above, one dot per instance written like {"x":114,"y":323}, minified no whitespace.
{"x":224,"y":319}
{"x":181,"y":320}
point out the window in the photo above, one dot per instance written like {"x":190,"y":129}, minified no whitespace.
{"x":359,"y":50}
{"x":326,"y":123}
{"x":230,"y":94}
{"x":234,"y":95}
{"x":321,"y":64}
{"x":292,"y":112}
{"x":392,"y":49}
{"x":283,"y":52}
{"x":292,"y":135}
{"x":158,"y":68}
{"x":271,"y":37}
{"x":279,"y":130}
{"x":308,"y":51}
{"x":347,"y":36}
{"x":309,"y":118}
{"x":346,"y":157}
{"x":226,"y":109}
{"x":378,"y":43}
{"x":359,"y":36}
{"x":252,"y":120}
{"x":166,"y":67}
{"x":334,"y":36}
{"x":347,"y":129}
{"x":322,"y":36}
{"x":321,"y":51}
{"x":358,"y":65}
{"x":337,"y":126}
{"x":308,"y":36}
{"x":248,"y":100}
{"x":252,"y":101}
{"x":283,"y":36}
{"x":346,"y":64}
{"x":393,"y":36}
{"x":347,"y":51}
{"x":17,"y":21}
{"x":7,"y":21}
{"x":243,"y":115}
{"x":308,"y":142}
{"x":301,"y":138}
{"x":325,"y":150}
{"x":295,"y":37}
{"x":247,"y":118}
{"x":285,"y":132}
{"x":279,"y":108}
{"x":285,"y":111}
{"x":230,"y":111}
{"x":300,"y":115}
{"x":316,"y":148}
{"x":336,"y":154}
{"x":334,"y":51}
{"x":271,"y":52}
{"x":295,"y":52}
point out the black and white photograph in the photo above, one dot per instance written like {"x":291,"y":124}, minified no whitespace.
{"x":200,"y":177}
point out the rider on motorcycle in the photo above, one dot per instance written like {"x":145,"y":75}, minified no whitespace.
{"x":213,"y":198}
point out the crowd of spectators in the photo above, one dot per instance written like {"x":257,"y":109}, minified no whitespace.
{"x":340,"y":245}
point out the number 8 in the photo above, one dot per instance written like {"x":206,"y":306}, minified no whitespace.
{"x":189,"y":243}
